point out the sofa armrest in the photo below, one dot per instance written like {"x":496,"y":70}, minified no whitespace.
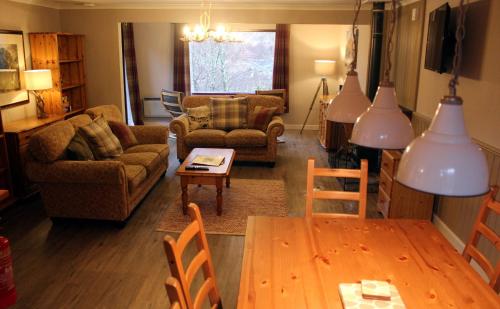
{"x":276,"y":127}
{"x":82,"y":172}
{"x":180,"y":126}
{"x":150,"y":134}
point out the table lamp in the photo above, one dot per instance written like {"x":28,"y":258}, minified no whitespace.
{"x":36,"y":81}
{"x":322,"y":68}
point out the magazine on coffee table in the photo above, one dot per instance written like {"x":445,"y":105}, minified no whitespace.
{"x":208,"y":160}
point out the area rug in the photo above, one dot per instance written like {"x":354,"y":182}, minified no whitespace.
{"x":245,"y":197}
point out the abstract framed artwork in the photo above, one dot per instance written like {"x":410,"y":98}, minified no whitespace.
{"x":12,"y":64}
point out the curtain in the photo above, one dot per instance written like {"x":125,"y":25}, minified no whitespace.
{"x":130,"y":72}
{"x":281,"y":59}
{"x":182,"y":78}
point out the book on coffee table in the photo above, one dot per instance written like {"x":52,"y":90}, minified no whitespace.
{"x":208,"y":160}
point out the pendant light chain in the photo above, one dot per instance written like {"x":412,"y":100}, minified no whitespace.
{"x":457,"y":58}
{"x":357,"y":8}
{"x":387,"y":70}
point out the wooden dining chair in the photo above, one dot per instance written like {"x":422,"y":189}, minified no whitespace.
{"x":174,"y":292}
{"x":361,"y":174}
{"x":174,"y":251}
{"x":479,"y":229}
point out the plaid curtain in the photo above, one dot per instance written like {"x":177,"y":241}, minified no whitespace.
{"x":130,"y":70}
{"x":182,"y":78}
{"x":281,"y":58}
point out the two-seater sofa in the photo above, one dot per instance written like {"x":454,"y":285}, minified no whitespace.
{"x":249,"y":144}
{"x":104,"y":190}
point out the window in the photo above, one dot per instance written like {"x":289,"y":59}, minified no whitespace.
{"x":233,"y":67}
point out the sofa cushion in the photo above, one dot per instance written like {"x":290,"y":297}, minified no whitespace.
{"x":135,"y":176}
{"x":199,"y":118}
{"x":229,"y":114}
{"x":150,"y":160}
{"x":78,"y":149}
{"x":161,"y":149}
{"x":49,"y":144}
{"x":102,"y":141}
{"x":206,"y":137}
{"x":246,"y":138}
{"x":123,"y":133}
{"x":260,"y":117}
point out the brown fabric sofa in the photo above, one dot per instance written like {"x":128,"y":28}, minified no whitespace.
{"x":250,"y":144}
{"x":105,"y":190}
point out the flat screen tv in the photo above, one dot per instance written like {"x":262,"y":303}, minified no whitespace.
{"x":440,"y":41}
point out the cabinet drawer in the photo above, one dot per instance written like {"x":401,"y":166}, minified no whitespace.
{"x":387,"y":163}
{"x":383,"y":203}
{"x":385,"y":182}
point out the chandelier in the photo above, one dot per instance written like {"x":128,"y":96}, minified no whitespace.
{"x":202,"y":31}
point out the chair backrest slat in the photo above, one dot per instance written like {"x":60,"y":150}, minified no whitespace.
{"x":175,"y":295}
{"x":174,"y":251}
{"x":311,"y":194}
{"x":480,"y":228}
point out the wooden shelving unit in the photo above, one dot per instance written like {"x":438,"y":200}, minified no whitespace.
{"x":6,"y":196}
{"x":63,"y":54}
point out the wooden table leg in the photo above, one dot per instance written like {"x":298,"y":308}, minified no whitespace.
{"x":184,"y":187}
{"x":218,"y":184}
{"x":228,"y":182}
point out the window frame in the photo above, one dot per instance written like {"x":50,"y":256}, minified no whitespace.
{"x":233,"y":93}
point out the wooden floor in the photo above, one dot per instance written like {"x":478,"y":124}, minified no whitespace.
{"x":97,"y":265}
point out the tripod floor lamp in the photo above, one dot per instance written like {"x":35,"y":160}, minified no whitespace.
{"x":322,"y":68}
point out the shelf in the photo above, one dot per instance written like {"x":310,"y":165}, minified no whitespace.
{"x":70,"y":60}
{"x":73,"y":113}
{"x":71,"y":86}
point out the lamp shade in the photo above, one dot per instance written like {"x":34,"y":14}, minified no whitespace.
{"x":324,"y":67}
{"x":383,"y":125}
{"x":38,"y":79}
{"x":350,"y":103}
{"x":444,"y":160}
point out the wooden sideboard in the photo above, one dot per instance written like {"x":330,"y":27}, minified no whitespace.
{"x":396,"y":200}
{"x":17,"y":135}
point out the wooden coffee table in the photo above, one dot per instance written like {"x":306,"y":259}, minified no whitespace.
{"x":214,"y":176}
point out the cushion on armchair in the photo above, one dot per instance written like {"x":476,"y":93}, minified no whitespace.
{"x":199,"y":118}
{"x":102,"y":141}
{"x":229,"y":114}
{"x":78,"y":149}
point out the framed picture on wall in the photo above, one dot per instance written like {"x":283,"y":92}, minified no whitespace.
{"x":12,"y":64}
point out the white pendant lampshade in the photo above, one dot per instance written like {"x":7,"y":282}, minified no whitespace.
{"x":324,"y":67}
{"x":444,"y":160}
{"x":383,"y":125}
{"x":349,"y":103}
{"x":38,"y":79}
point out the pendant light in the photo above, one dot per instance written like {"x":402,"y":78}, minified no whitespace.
{"x":444,"y":160}
{"x":383,"y":125}
{"x":351,"y":101}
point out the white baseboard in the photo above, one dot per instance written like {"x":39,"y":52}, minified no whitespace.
{"x":456,"y":242}
{"x":299,"y":126}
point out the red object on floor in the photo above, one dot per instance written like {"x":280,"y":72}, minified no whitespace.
{"x":7,"y":287}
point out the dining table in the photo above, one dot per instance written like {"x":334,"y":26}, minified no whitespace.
{"x":294,"y":262}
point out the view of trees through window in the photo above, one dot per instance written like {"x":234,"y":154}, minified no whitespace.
{"x":241,"y":67}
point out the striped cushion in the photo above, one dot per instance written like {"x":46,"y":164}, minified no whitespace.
{"x":228,"y":114}
{"x":260,"y":117}
{"x":103,"y":143}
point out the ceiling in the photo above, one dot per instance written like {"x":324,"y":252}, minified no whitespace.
{"x":216,"y":4}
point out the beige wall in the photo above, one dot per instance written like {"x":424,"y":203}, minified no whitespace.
{"x":102,"y":40}
{"x":155,"y":56}
{"x":482,"y":94}
{"x":28,"y":18}
{"x":310,"y":42}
